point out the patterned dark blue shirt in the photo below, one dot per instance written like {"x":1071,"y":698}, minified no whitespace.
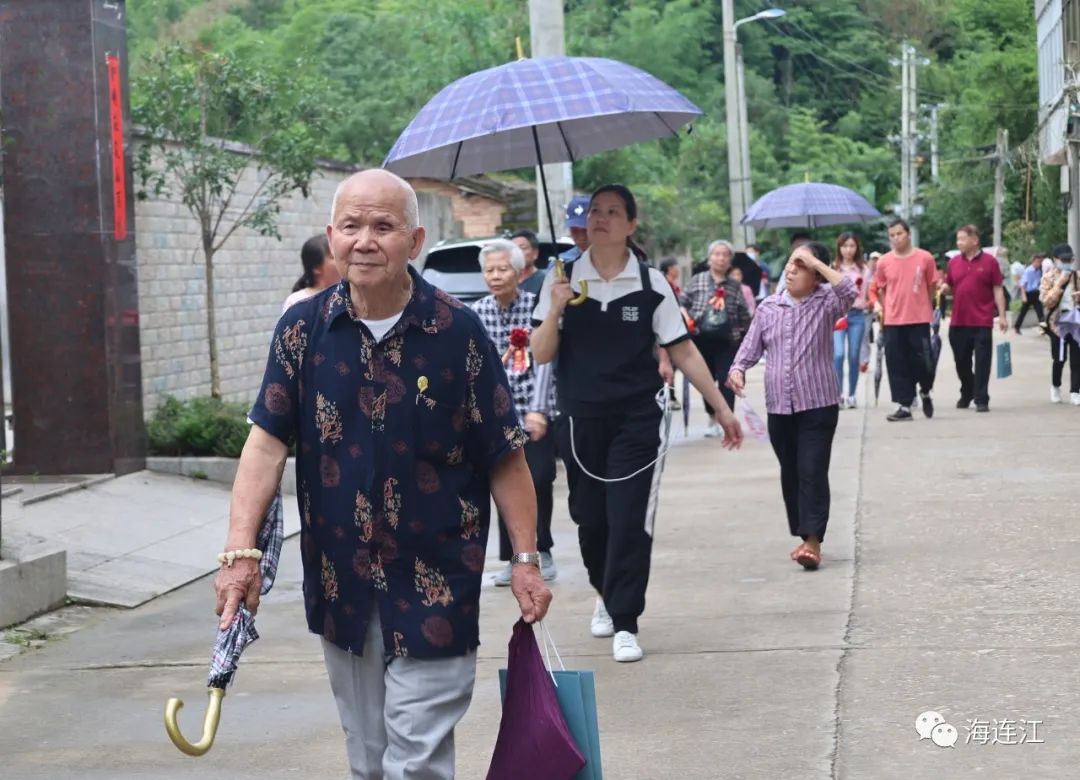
{"x":395,"y":442}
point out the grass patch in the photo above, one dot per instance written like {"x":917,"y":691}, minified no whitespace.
{"x":26,"y":637}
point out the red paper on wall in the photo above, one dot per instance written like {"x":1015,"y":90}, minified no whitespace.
{"x":116,"y":121}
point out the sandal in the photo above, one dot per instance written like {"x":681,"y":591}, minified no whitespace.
{"x":796,"y":552}
{"x":807,"y":558}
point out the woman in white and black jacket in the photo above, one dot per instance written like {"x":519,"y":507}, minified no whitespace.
{"x":714,"y":293}
{"x":610,"y":398}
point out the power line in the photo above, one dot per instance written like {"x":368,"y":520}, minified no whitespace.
{"x":882,"y":78}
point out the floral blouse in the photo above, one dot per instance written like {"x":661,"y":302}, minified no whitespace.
{"x":395,"y":442}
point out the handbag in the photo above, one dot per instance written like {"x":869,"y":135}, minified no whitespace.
{"x":534,"y":742}
{"x":1044,"y":326}
{"x":1004,"y":360}
{"x":576,"y":695}
{"x":715,"y":325}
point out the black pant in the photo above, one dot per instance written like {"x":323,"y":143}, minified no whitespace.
{"x":1072,"y":353}
{"x":907,"y":358}
{"x":1031,"y":301}
{"x":540,"y":455}
{"x":967,"y":342}
{"x":718,"y":355}
{"x":803,"y":445}
{"x":615,"y":519}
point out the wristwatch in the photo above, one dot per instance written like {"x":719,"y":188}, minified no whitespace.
{"x":533,"y":558}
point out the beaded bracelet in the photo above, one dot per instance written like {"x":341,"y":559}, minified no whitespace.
{"x":227,"y":558}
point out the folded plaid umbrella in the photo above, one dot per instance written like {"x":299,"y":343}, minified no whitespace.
{"x":935,"y":339}
{"x":685,"y":404}
{"x":879,"y":361}
{"x":232,"y":641}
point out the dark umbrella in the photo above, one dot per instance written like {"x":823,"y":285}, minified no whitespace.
{"x":751,"y":271}
{"x":879,"y":361}
{"x":685,"y":404}
{"x":232,"y":641}
{"x":935,"y":338}
{"x":535,"y":111}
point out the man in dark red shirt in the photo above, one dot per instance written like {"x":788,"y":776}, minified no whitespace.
{"x":975,"y":279}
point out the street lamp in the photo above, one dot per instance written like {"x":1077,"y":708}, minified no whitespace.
{"x":739,"y":177}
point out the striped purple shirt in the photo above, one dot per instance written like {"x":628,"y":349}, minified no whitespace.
{"x":799,"y":373}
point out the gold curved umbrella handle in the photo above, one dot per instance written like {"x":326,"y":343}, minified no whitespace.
{"x":560,"y":272}
{"x":210,"y":723}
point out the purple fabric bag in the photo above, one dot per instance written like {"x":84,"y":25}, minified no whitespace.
{"x":534,"y":742}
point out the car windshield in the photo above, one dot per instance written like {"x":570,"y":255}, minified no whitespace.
{"x":465,"y":259}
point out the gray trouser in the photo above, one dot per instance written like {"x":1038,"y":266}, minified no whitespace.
{"x":399,"y":718}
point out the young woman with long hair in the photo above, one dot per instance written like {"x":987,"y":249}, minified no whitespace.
{"x":320,"y":271}
{"x":848,"y":336}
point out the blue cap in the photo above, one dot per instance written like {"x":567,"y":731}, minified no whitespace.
{"x":577,"y":212}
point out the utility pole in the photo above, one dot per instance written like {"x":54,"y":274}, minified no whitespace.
{"x":934,"y":156}
{"x":909,"y":136}
{"x":746,"y":180}
{"x":999,"y":181}
{"x":905,"y":132}
{"x":1072,"y":172}
{"x":914,"y":209}
{"x":734,"y":143}
{"x":547,"y":39}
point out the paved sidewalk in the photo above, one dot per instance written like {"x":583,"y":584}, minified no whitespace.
{"x":130,"y":539}
{"x":949,"y":584}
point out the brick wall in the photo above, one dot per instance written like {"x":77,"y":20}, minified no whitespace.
{"x":480,"y":216}
{"x":253,"y":275}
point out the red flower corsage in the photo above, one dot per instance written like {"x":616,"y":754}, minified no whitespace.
{"x":516,"y":358}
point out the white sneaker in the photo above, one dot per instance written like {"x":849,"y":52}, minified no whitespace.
{"x":851,"y":402}
{"x":625,"y":648}
{"x":1074,"y":399}
{"x":713,"y":431}
{"x":502,"y":579}
{"x":601,"y":625}
{"x":547,"y":567}
{"x":1055,"y":395}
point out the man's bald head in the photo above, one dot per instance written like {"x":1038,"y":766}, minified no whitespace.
{"x":380,"y":179}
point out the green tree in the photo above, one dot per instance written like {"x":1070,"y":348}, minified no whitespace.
{"x":191,"y":104}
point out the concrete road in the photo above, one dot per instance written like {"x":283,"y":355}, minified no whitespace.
{"x":950,"y":584}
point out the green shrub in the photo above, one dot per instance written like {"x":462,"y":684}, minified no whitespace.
{"x":200,"y":426}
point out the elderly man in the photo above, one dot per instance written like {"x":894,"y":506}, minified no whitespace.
{"x":403,"y":421}
{"x":507,"y":315}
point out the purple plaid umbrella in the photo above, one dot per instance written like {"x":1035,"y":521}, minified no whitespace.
{"x":809,"y":205}
{"x":535,"y":111}
{"x":232,"y":640}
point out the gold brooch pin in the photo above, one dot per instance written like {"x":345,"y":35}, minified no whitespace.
{"x":422,"y":383}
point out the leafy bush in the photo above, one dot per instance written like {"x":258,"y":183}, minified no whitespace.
{"x":200,"y":426}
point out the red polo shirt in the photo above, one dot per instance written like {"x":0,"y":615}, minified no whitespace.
{"x":973,"y":282}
